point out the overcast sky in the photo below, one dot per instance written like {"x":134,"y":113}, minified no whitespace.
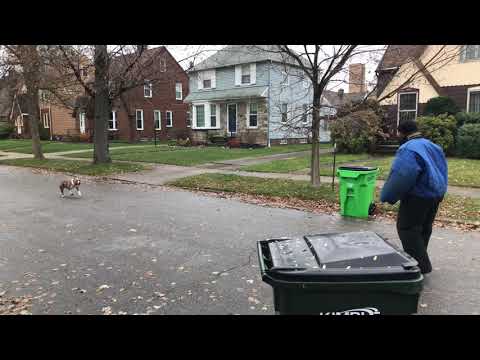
{"x":186,"y":53}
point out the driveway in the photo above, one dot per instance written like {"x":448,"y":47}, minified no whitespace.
{"x":133,"y":249}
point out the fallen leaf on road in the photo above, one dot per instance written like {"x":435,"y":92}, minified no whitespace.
{"x":133,"y":230}
{"x":103,"y":287}
{"x":55,"y":282}
{"x":122,"y":313}
{"x":107,"y":310}
{"x":250,"y":281}
{"x":423,"y":305}
{"x":215,"y":273}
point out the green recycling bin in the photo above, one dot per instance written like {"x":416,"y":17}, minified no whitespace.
{"x":357,"y":190}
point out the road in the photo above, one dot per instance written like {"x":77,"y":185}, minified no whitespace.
{"x":163,"y":251}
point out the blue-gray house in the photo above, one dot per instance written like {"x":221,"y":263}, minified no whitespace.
{"x":252,"y":92}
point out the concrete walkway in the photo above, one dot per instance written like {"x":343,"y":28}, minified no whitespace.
{"x":162,"y":174}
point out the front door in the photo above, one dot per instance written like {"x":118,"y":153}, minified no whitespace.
{"x":232,"y":118}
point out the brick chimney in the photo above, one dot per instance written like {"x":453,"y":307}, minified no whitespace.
{"x":356,"y":83}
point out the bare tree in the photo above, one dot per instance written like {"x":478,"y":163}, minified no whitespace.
{"x":27,"y":60}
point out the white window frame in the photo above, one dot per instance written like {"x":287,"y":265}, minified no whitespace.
{"x":216,"y":114}
{"x":242,"y":74}
{"x":136,"y":119}
{"x":148,"y":86}
{"x":46,"y":124}
{"x":82,"y":118}
{"x":398,"y":105}
{"x":208,"y":125}
{"x":207,"y":75}
{"x":469,"y":91}
{"x":248,"y":115}
{"x":189,"y":117}
{"x":181,"y":91}
{"x":114,"y":121}
{"x":159,"y":127}
{"x":171,"y":118}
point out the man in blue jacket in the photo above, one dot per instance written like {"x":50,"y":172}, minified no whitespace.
{"x":418,"y":179}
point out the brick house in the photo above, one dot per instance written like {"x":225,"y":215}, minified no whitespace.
{"x":456,"y":75}
{"x":143,"y":112}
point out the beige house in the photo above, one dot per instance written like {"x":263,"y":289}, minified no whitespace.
{"x":435,"y":70}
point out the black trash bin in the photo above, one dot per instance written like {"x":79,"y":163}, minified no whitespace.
{"x":355,"y":273}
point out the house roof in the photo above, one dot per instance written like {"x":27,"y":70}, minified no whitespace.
{"x":235,"y":93}
{"x":336,"y":100}
{"x":243,"y":54}
{"x":396,"y":55}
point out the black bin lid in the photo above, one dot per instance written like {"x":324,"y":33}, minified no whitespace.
{"x":357,"y":168}
{"x":353,"y":256}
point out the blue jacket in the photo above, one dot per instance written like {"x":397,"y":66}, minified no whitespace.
{"x":419,"y":169}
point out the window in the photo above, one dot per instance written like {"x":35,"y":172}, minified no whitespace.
{"x":200,"y":120}
{"x":112,"y":121}
{"x":82,"y":123}
{"x":157,"y":119}
{"x":43,"y":96}
{"x":471,"y":52}
{"x":147,"y":90}
{"x":206,"y":79}
{"x":189,"y":119}
{"x":473,"y":100}
{"x":139,"y":117}
{"x":407,"y":106}
{"x":213,"y":115}
{"x":46,"y":120}
{"x":178,"y":91}
{"x":304,"y":113}
{"x":169,"y":119}
{"x":284,"y":78}
{"x":253,"y":115}
{"x":284,"y":113}
{"x":246,"y":74}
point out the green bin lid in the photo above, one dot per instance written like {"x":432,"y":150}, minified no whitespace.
{"x":357,"y":168}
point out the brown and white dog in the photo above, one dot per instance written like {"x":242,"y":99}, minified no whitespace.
{"x":74,"y":183}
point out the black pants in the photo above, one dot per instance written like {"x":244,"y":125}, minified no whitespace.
{"x":414,"y":226}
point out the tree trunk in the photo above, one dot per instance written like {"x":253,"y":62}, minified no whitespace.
{"x":31,"y":73}
{"x":101,"y":153}
{"x":34,"y":119}
{"x":315,"y":158}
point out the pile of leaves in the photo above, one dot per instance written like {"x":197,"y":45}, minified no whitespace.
{"x":15,"y":306}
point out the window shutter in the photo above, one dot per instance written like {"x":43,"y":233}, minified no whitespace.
{"x":238,"y":75}
{"x":200,"y":81}
{"x":218,"y":116}
{"x":253,"y":73}
{"x":213,"y":78}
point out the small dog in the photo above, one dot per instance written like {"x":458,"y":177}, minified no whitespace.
{"x":74,"y":183}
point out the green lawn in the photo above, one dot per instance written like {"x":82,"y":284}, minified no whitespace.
{"x":461,"y":172}
{"x":194,"y":155}
{"x":453,"y":207}
{"x":75,"y":167}
{"x":25,"y":146}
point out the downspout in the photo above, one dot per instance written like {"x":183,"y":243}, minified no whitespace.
{"x":268,"y":105}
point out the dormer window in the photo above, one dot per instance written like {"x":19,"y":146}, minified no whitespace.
{"x":206,"y":79}
{"x":470,"y":52}
{"x":245,"y":74}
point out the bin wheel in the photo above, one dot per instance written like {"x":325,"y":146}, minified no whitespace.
{"x":372,"y":208}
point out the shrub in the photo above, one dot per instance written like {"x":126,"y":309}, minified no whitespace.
{"x":43,"y":132}
{"x":357,"y":131}
{"x":468,"y":144}
{"x":467,"y":118}
{"x":441,"y":105}
{"x":6,"y":129}
{"x":440,"y":130}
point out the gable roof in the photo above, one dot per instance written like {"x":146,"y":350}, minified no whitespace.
{"x":396,"y":55}
{"x":244,"y":54}
{"x":336,"y":101}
